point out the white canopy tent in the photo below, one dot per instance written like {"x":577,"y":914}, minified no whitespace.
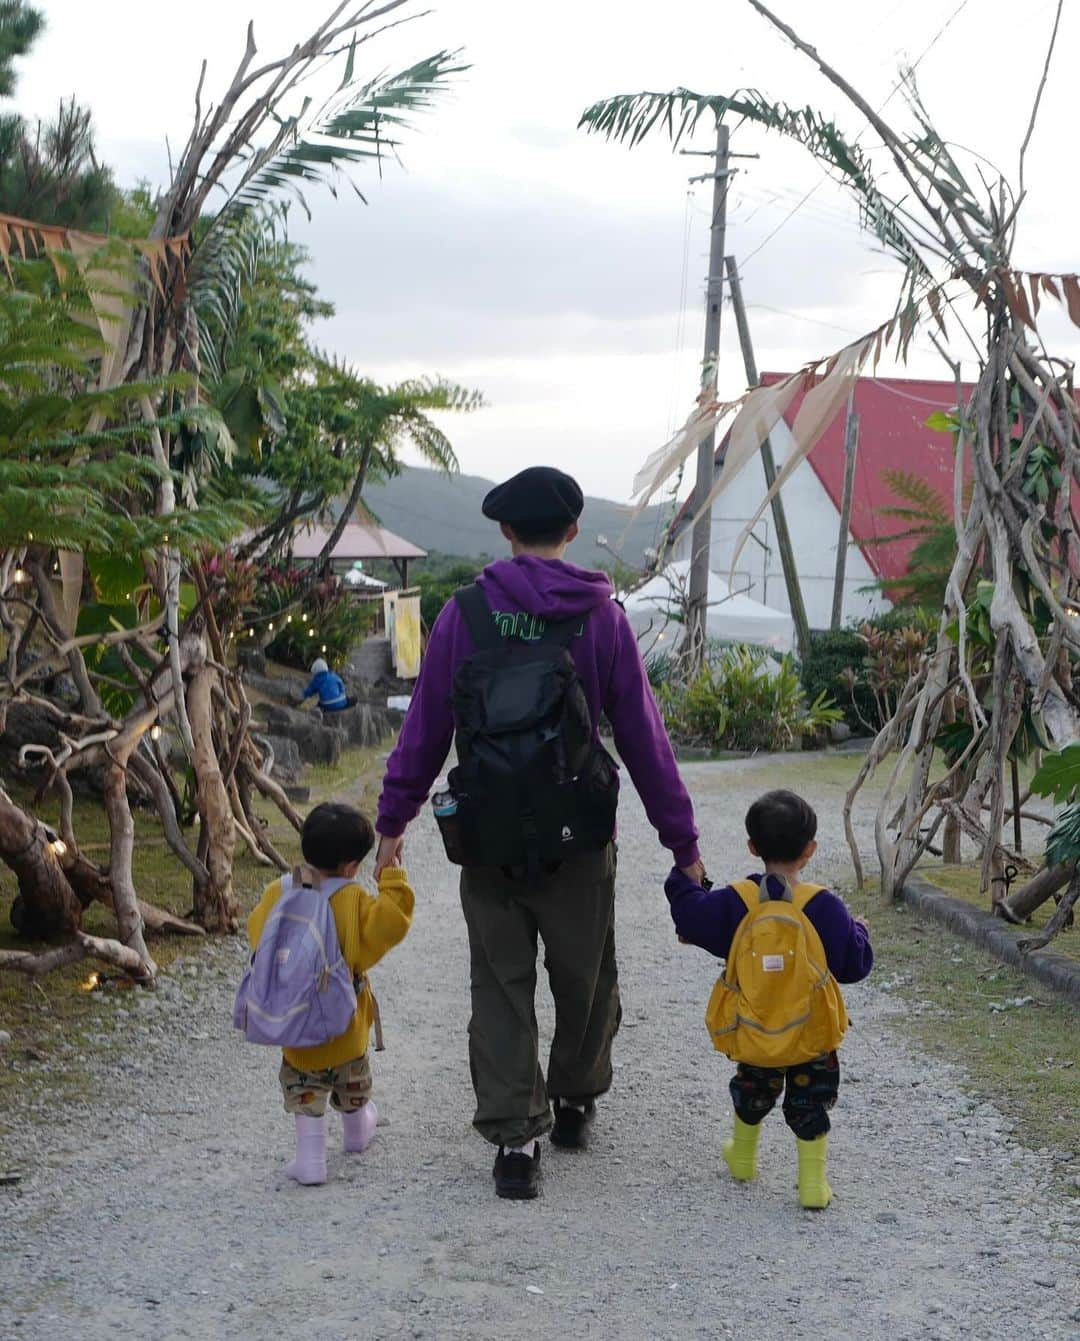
{"x":731,"y":617}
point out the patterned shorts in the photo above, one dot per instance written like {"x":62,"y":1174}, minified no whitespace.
{"x":809,"y":1091}
{"x":348,"y":1087}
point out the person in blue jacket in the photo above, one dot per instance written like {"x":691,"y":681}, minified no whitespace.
{"x":329,"y":687}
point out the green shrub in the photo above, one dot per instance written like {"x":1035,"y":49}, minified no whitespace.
{"x":832,"y":652}
{"x":741,"y":702}
{"x":328,"y":621}
{"x":437,"y":588}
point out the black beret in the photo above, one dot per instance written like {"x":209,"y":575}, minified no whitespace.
{"x":539,"y":496}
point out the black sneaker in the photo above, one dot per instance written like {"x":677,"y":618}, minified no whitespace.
{"x":517,"y":1176}
{"x":571,"y":1129}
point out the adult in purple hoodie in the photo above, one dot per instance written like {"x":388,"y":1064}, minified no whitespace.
{"x":572,"y":906}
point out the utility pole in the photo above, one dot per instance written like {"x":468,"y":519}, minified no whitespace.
{"x":851,"y":448}
{"x":768,"y":461}
{"x":706,"y":457}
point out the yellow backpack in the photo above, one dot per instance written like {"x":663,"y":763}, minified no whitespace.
{"x":777,"y":1004}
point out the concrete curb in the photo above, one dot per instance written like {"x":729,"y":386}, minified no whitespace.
{"x":1056,"y":971}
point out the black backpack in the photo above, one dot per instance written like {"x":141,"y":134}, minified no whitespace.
{"x":532,"y":785}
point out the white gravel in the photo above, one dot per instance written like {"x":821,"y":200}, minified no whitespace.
{"x":156,"y":1207}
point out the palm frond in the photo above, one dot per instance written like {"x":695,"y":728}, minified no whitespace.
{"x":927,"y":503}
{"x":435,"y":393}
{"x":631,"y":117}
{"x":355,"y":125}
{"x":222,"y":267}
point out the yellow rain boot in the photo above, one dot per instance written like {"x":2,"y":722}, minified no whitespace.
{"x":814,"y":1190}
{"x":740,"y":1151}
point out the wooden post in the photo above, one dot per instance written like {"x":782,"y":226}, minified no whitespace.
{"x":783,"y":537}
{"x":1018,"y":825}
{"x":851,"y":448}
{"x":701,"y":538}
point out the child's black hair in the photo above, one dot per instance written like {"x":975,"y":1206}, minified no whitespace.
{"x":335,"y":833}
{"x":780,"y":825}
{"x":542,"y":535}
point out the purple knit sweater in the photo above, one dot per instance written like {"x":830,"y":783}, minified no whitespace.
{"x":609,"y":663}
{"x":709,"y":918}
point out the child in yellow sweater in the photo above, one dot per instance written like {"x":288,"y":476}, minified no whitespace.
{"x":335,"y":840}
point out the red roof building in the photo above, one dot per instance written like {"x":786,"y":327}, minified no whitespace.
{"x":893,"y":436}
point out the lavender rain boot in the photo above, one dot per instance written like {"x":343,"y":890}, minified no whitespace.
{"x":309,"y":1166}
{"x":360,"y":1128}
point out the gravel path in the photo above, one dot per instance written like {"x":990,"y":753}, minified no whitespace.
{"x":157,"y":1207}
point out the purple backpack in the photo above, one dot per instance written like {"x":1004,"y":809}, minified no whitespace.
{"x":297,"y":991}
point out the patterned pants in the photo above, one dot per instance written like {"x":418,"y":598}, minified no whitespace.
{"x":348,"y":1087}
{"x":809,"y":1091}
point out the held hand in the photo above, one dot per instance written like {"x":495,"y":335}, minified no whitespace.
{"x":695,"y":872}
{"x":389,"y":854}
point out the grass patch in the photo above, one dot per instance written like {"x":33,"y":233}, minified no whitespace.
{"x":39,"y":1014}
{"x":962,"y":882}
{"x":1025,"y":1060}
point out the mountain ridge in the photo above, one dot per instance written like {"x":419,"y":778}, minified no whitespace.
{"x":441,"y":513}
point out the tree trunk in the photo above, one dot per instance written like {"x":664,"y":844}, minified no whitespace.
{"x":46,"y":905}
{"x":122,"y":845}
{"x":1018,"y":907}
{"x":215,"y":905}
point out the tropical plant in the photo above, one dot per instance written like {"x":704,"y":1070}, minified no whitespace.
{"x":343,"y":432}
{"x":743,"y":700}
{"x":74,"y":476}
{"x":951,"y":229}
{"x":329,"y":623}
{"x":263,"y":134}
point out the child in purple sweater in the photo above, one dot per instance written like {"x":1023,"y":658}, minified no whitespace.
{"x":781,"y":828}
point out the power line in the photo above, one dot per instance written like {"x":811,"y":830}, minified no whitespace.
{"x":825,"y":176}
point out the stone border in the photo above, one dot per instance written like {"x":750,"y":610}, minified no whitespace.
{"x":1056,"y":971}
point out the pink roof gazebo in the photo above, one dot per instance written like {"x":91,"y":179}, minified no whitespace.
{"x":358,"y":541}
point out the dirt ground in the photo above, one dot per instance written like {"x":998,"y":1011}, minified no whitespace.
{"x":153,"y":1203}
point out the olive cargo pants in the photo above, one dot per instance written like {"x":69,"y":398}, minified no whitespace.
{"x":573,"y":911}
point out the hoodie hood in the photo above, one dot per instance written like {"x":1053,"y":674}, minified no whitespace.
{"x":551,"y":588}
{"x":319,"y":666}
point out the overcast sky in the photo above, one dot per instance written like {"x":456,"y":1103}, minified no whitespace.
{"x":546,"y":267}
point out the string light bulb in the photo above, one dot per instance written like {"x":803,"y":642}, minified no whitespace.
{"x":19,"y":576}
{"x":155,"y":731}
{"x":59,"y":847}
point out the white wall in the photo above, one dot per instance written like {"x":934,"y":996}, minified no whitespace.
{"x":814,"y":524}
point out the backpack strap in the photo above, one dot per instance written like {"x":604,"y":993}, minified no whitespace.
{"x":476,"y":612}
{"x":803,"y":893}
{"x":305,"y":877}
{"x":362,"y":984}
{"x":749,"y":892}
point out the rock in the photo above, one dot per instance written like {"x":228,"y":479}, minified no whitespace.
{"x":839,"y":732}
{"x":365,"y":725}
{"x":288,"y":765}
{"x":5,"y":1038}
{"x":251,"y":658}
{"x":318,"y":744}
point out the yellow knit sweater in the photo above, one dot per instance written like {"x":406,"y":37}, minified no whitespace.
{"x":367,"y":927}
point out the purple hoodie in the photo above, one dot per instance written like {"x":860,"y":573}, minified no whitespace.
{"x":709,"y":918}
{"x":609,"y":663}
